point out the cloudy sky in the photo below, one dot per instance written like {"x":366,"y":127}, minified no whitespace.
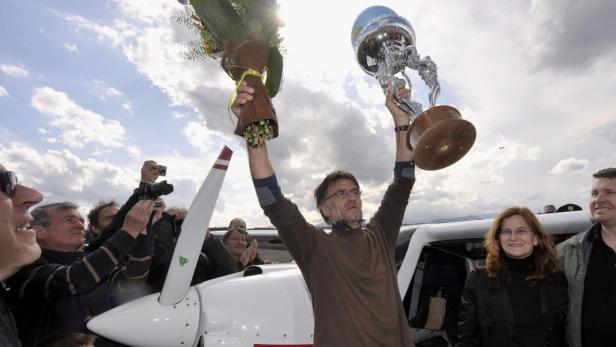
{"x":88,"y":90}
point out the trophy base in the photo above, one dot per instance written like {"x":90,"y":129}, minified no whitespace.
{"x":440,"y":137}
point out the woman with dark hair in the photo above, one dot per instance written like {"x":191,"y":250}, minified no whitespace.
{"x":519,"y":298}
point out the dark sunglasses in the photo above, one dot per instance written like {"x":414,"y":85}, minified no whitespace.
{"x":9,"y":182}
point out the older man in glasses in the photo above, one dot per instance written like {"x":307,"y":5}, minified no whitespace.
{"x":349,"y":272}
{"x":18,"y":245}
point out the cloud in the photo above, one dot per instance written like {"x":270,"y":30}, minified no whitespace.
{"x":3,"y":92}
{"x":71,"y":48}
{"x":62,"y":175}
{"x":104,"y":91}
{"x":78,"y":126}
{"x":606,"y":131}
{"x":574,"y":34}
{"x":127,"y":105}
{"x":116,"y":33}
{"x":198,"y":135}
{"x":134,"y":151}
{"x":570,"y":166}
{"x":14,"y":71}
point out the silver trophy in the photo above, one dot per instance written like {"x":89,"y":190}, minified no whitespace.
{"x":384,"y":45}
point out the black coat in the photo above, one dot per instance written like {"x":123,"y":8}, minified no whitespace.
{"x":486,"y":317}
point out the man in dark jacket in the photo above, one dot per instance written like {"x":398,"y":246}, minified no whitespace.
{"x":18,"y":245}
{"x":589,"y":261}
{"x":65,"y":287}
{"x":100,"y":217}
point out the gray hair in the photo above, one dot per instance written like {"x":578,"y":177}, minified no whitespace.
{"x":41,"y":213}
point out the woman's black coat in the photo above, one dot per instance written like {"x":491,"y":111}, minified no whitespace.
{"x":486,"y":317}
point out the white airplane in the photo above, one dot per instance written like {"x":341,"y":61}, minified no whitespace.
{"x":269,"y":305}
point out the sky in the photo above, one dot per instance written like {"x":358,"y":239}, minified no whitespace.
{"x":91,"y":89}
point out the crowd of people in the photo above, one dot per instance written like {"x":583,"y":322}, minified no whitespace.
{"x":56,"y":276}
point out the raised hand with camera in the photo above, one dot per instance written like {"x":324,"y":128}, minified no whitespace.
{"x":150,"y":171}
{"x":147,"y":190}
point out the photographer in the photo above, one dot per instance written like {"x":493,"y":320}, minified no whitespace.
{"x":147,"y":189}
{"x":214,"y":260}
{"x":65,"y":287}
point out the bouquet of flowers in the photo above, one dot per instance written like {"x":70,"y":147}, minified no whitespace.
{"x":244,"y":34}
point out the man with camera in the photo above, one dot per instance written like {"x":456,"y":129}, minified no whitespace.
{"x":99,"y":218}
{"x":66,"y":286}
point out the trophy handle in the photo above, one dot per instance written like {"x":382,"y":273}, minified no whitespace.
{"x":412,"y":108}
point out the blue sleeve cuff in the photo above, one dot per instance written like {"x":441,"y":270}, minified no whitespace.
{"x":268,"y":190}
{"x":405,"y":169}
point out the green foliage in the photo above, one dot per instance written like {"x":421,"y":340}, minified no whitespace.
{"x":221,"y":22}
{"x":274,"y":71}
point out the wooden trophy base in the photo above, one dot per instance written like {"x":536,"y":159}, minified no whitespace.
{"x":440,"y":137}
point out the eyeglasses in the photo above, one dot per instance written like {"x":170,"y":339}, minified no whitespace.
{"x":506,"y":233}
{"x":8,"y":179}
{"x":343,"y":193}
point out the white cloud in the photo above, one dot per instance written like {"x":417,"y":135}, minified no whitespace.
{"x":104,"y":91}
{"x":71,"y":47}
{"x":116,"y":33}
{"x":127,"y":106}
{"x":62,"y":175}
{"x":198,"y":135}
{"x":78,"y":126}
{"x":570,"y":166}
{"x":134,"y":151}
{"x":14,"y":71}
{"x":3,"y":92}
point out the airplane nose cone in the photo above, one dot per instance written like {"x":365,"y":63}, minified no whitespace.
{"x":145,"y":322}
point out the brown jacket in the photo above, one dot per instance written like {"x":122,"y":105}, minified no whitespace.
{"x":351,"y":273}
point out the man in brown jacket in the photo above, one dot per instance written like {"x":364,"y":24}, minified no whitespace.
{"x":350,"y":272}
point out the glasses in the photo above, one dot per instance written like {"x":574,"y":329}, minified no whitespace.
{"x":343,"y":193}
{"x":506,"y":233}
{"x":8,"y":179}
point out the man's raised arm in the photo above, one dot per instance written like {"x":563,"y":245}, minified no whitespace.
{"x":260,"y":166}
{"x":401,"y":126}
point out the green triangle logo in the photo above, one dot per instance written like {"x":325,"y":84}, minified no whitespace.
{"x":183,"y":261}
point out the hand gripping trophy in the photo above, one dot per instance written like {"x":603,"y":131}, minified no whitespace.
{"x":384,"y":45}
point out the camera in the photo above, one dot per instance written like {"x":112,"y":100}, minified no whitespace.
{"x":153,"y":190}
{"x":162,"y":170}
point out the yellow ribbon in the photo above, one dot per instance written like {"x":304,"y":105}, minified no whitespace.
{"x":248,"y":72}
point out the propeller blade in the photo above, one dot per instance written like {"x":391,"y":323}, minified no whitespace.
{"x":188,"y":245}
